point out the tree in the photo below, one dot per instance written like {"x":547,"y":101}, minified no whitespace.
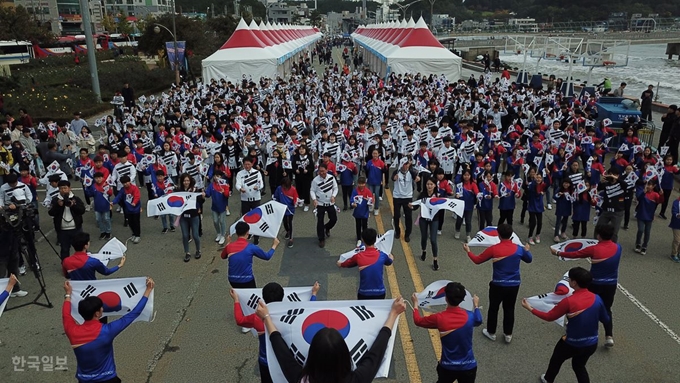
{"x":315,"y":18}
{"x":18,"y":24}
{"x":199,"y":36}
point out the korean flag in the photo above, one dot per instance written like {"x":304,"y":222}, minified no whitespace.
{"x":435,"y":295}
{"x":249,"y":298}
{"x":53,"y":168}
{"x":489,"y":237}
{"x":383,"y":243}
{"x":264,"y":220}
{"x":3,"y":287}
{"x":358,"y":322}
{"x":119,"y":296}
{"x":573,"y":246}
{"x":548,"y":301}
{"x":113,"y":249}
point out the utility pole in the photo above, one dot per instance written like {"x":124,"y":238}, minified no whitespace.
{"x":91,"y":49}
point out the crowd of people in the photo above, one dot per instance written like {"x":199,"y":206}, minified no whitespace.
{"x":304,"y":139}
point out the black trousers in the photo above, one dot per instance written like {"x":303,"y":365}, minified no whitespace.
{"x":135,"y":224}
{"x":288,"y":224}
{"x":584,"y":228}
{"x":505,"y":216}
{"x":65,"y":238}
{"x":399,"y":205}
{"x":666,"y":198}
{"x":485,"y":218}
{"x":303,"y":184}
{"x":321,"y":228}
{"x":363,"y":297}
{"x":506,"y":295}
{"x":535,"y":221}
{"x":579,"y":357}
{"x":112,"y":380}
{"x":450,"y":376}
{"x":606,"y":293}
{"x":346,"y":193}
{"x":361,"y":225}
{"x":627,"y":203}
{"x":265,"y":376}
{"x":243,"y":285}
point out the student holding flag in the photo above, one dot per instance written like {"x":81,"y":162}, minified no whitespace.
{"x":605,"y":258}
{"x":80,"y":266}
{"x":271,"y":292}
{"x":456,"y":326}
{"x":584,"y":310}
{"x":323,"y":192}
{"x":375,"y":170}
{"x":429,"y":226}
{"x":488,"y":191}
{"x":219,"y":191}
{"x":329,"y":358}
{"x":508,"y":192}
{"x":675,"y":226}
{"x":648,"y":200}
{"x":466,"y":190}
{"x":161,"y":185}
{"x":402,"y":195}
{"x":535,"y":192}
{"x":564,"y":200}
{"x":189,"y":220}
{"x":250,"y":183}
{"x":287,"y":195}
{"x":361,"y":200}
{"x":101,"y":193}
{"x":130,"y":196}
{"x":666,"y":183}
{"x":504,"y":286}
{"x":370,"y":262}
{"x":581,"y":209}
{"x":92,"y":342}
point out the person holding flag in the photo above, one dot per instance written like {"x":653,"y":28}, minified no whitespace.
{"x":429,"y":226}
{"x":675,"y":226}
{"x":456,"y":326}
{"x":370,"y":262}
{"x":508,"y":191}
{"x":130,"y":196}
{"x":101,"y":193}
{"x":605,"y":258}
{"x":670,"y":169}
{"x":161,"y":185}
{"x":361,"y":200}
{"x":271,"y":292}
{"x":535,"y":192}
{"x":323,"y":192}
{"x":466,"y":190}
{"x":613,"y":201}
{"x":80,"y":266}
{"x":219,"y":191}
{"x":402,"y":195}
{"x":189,"y":220}
{"x":648,"y":200}
{"x":504,"y":285}
{"x":584,"y":310}
{"x":250,"y":183}
{"x":92,"y":342}
{"x":287,"y":195}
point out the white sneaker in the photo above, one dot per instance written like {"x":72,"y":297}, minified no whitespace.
{"x":543,"y":379}
{"x":217,"y":239}
{"x":468,"y":239}
{"x":508,"y":338}
{"x":358,"y":243}
{"x":549,"y":206}
{"x":439,"y":232}
{"x":22,"y":293}
{"x":88,"y":207}
{"x":228,"y":213}
{"x":136,"y":240}
{"x":457,"y":235}
{"x":222,"y":239}
{"x":537,"y":239}
{"x":531,"y":241}
{"x":380,"y":198}
{"x":490,"y":336}
{"x":119,"y":210}
{"x":245,"y":330}
{"x":609,"y":342}
{"x":22,"y":270}
{"x":306,"y":208}
{"x":376,"y":212}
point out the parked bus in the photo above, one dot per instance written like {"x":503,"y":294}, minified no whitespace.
{"x":15,"y":52}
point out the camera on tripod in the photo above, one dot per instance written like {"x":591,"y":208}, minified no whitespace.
{"x":22,"y":217}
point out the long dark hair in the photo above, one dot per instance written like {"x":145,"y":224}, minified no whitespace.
{"x":192,"y":182}
{"x":328,"y":359}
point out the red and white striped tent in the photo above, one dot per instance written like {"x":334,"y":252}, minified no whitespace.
{"x":406,"y":47}
{"x":255,"y":51}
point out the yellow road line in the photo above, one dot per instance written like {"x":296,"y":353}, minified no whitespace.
{"x":415,"y":276}
{"x":404,"y":332}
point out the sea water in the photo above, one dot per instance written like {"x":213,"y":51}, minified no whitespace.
{"x":647,"y":65}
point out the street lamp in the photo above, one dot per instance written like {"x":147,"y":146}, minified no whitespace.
{"x":403,"y":8}
{"x":157,"y":29}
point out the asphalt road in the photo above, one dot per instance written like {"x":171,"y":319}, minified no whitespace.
{"x":194,"y":337}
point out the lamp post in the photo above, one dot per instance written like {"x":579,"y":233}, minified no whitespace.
{"x":157,"y":29}
{"x":403,"y":8}
{"x":91,"y":49}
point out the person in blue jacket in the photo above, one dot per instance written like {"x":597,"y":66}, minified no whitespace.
{"x":584,"y":309}
{"x":218,"y":190}
{"x":581,"y":212}
{"x":666,"y":183}
{"x":370,"y":262}
{"x":361,"y":199}
{"x":508,"y":191}
{"x":92,"y":341}
{"x":563,"y":204}
{"x":648,"y":200}
{"x":456,"y":326}
{"x":535,"y":192}
{"x":504,"y":286}
{"x":467,"y":190}
{"x":675,"y":225}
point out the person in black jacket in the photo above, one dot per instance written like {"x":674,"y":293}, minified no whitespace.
{"x":303,"y":166}
{"x":275,"y":171}
{"x":328,"y":359}
{"x":67,"y":210}
{"x":128,"y":95}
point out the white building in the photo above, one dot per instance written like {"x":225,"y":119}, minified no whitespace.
{"x":523,"y":25}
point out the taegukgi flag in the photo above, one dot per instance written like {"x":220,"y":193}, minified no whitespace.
{"x":429,"y":207}
{"x":383,"y":243}
{"x":546,"y":302}
{"x":249,"y":298}
{"x":264,"y":220}
{"x":358,"y":322}
{"x":119,"y":296}
{"x":3,"y":287}
{"x":573,"y":246}
{"x":174,"y":203}
{"x":435,"y":295}
{"x":113,"y":249}
{"x":489,"y":237}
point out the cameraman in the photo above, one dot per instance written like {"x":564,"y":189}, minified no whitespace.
{"x":613,"y":191}
{"x":67,"y":210}
{"x":13,"y":195}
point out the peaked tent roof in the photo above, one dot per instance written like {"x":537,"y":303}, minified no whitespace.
{"x":420,"y":36}
{"x":243,"y":37}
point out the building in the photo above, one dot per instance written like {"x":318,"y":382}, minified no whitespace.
{"x":63,"y":16}
{"x":523,"y":25}
{"x":138,"y":8}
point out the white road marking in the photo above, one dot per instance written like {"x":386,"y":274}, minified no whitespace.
{"x":649,"y":313}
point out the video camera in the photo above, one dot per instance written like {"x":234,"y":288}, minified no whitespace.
{"x":19,"y":218}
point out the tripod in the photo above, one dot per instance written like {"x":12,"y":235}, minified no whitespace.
{"x":23,"y":243}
